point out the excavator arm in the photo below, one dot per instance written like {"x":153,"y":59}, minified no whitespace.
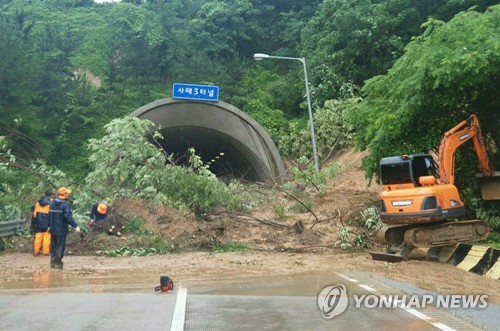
{"x":456,"y":137}
{"x":422,"y":216}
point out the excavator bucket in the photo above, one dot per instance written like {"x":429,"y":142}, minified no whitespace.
{"x":387,"y":257}
{"x":490,"y":186}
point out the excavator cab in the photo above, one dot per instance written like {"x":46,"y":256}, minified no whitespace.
{"x":406,"y":171}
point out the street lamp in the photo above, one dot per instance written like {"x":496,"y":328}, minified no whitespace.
{"x":259,"y":57}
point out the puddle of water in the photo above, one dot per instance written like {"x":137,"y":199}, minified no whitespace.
{"x":82,"y":280}
{"x":55,"y":280}
{"x":305,"y":285}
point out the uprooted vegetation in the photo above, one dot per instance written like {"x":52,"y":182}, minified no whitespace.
{"x":135,"y":228}
{"x":158,"y":207}
{"x":294,"y":217}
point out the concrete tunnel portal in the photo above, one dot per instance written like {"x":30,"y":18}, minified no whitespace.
{"x":217,"y":131}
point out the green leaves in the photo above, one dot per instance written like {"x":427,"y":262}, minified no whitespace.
{"x":224,"y":28}
{"x":68,"y":67}
{"x":128,"y":251}
{"x":332,"y":130}
{"x":348,"y":42}
{"x":230,"y":247}
{"x":447,"y":73}
{"x":128,"y":165}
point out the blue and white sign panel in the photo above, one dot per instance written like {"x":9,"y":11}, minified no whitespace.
{"x":195,"y":92}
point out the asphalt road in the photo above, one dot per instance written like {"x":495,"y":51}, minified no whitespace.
{"x":286,"y":305}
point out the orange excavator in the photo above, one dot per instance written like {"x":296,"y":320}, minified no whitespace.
{"x":420,"y":201}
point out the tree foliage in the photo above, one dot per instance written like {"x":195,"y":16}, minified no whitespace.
{"x":442,"y":78}
{"x":332,"y":130}
{"x":70,"y":67}
{"x":351,"y":41}
{"x":128,"y":165}
{"x":447,"y":73}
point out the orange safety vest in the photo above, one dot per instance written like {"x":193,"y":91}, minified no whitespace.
{"x":41,"y":209}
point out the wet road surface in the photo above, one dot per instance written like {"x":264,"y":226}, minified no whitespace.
{"x":57,"y":301}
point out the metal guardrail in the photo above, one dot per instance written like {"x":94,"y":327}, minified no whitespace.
{"x":8,"y":228}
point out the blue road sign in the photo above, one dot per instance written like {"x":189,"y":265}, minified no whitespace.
{"x":195,"y":92}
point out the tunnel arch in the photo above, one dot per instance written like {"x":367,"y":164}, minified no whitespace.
{"x":217,"y":131}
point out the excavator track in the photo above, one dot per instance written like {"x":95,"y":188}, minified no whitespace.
{"x":447,"y":233}
{"x":402,"y":239}
{"x":393,"y":236}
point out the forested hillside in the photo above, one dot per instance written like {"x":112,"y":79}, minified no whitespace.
{"x":387,"y":75}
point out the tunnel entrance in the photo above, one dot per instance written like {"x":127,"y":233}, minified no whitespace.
{"x":227,"y":139}
{"x":219,"y":151}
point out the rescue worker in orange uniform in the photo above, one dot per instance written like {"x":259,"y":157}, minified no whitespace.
{"x":40,"y":225}
{"x":98,"y":212}
{"x":60,"y":217}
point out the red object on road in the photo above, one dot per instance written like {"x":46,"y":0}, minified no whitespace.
{"x":166,"y":284}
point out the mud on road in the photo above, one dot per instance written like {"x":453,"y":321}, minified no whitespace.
{"x":201,"y":269}
{"x":279,"y":250}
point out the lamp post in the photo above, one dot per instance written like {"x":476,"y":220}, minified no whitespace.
{"x":259,"y":57}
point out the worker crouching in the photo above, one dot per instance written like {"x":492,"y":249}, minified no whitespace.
{"x":98,"y":212}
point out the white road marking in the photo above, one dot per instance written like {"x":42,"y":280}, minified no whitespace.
{"x":357,"y":282}
{"x":179,"y":315}
{"x":402,"y":306}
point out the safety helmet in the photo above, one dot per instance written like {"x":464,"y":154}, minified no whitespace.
{"x":63,"y":192}
{"x":102,"y":208}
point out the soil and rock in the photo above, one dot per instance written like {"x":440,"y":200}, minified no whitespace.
{"x":291,"y":245}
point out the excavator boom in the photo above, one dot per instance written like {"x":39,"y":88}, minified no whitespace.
{"x":456,"y":137}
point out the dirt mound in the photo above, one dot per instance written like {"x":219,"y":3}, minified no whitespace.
{"x":114,"y":224}
{"x":280,"y":224}
{"x":157,"y":219}
{"x":346,"y":196}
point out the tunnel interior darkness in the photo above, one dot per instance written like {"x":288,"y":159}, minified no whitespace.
{"x":236,"y":161}
{"x":212,"y":128}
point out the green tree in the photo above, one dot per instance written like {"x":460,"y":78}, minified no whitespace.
{"x":136,"y":37}
{"x":447,"y":73}
{"x":130,"y":166}
{"x":21,"y":121}
{"x":332,"y":130}
{"x":351,"y":41}
{"x":226,"y":28}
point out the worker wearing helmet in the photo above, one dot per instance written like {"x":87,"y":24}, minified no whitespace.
{"x":98,"y":212}
{"x":60,"y":217}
